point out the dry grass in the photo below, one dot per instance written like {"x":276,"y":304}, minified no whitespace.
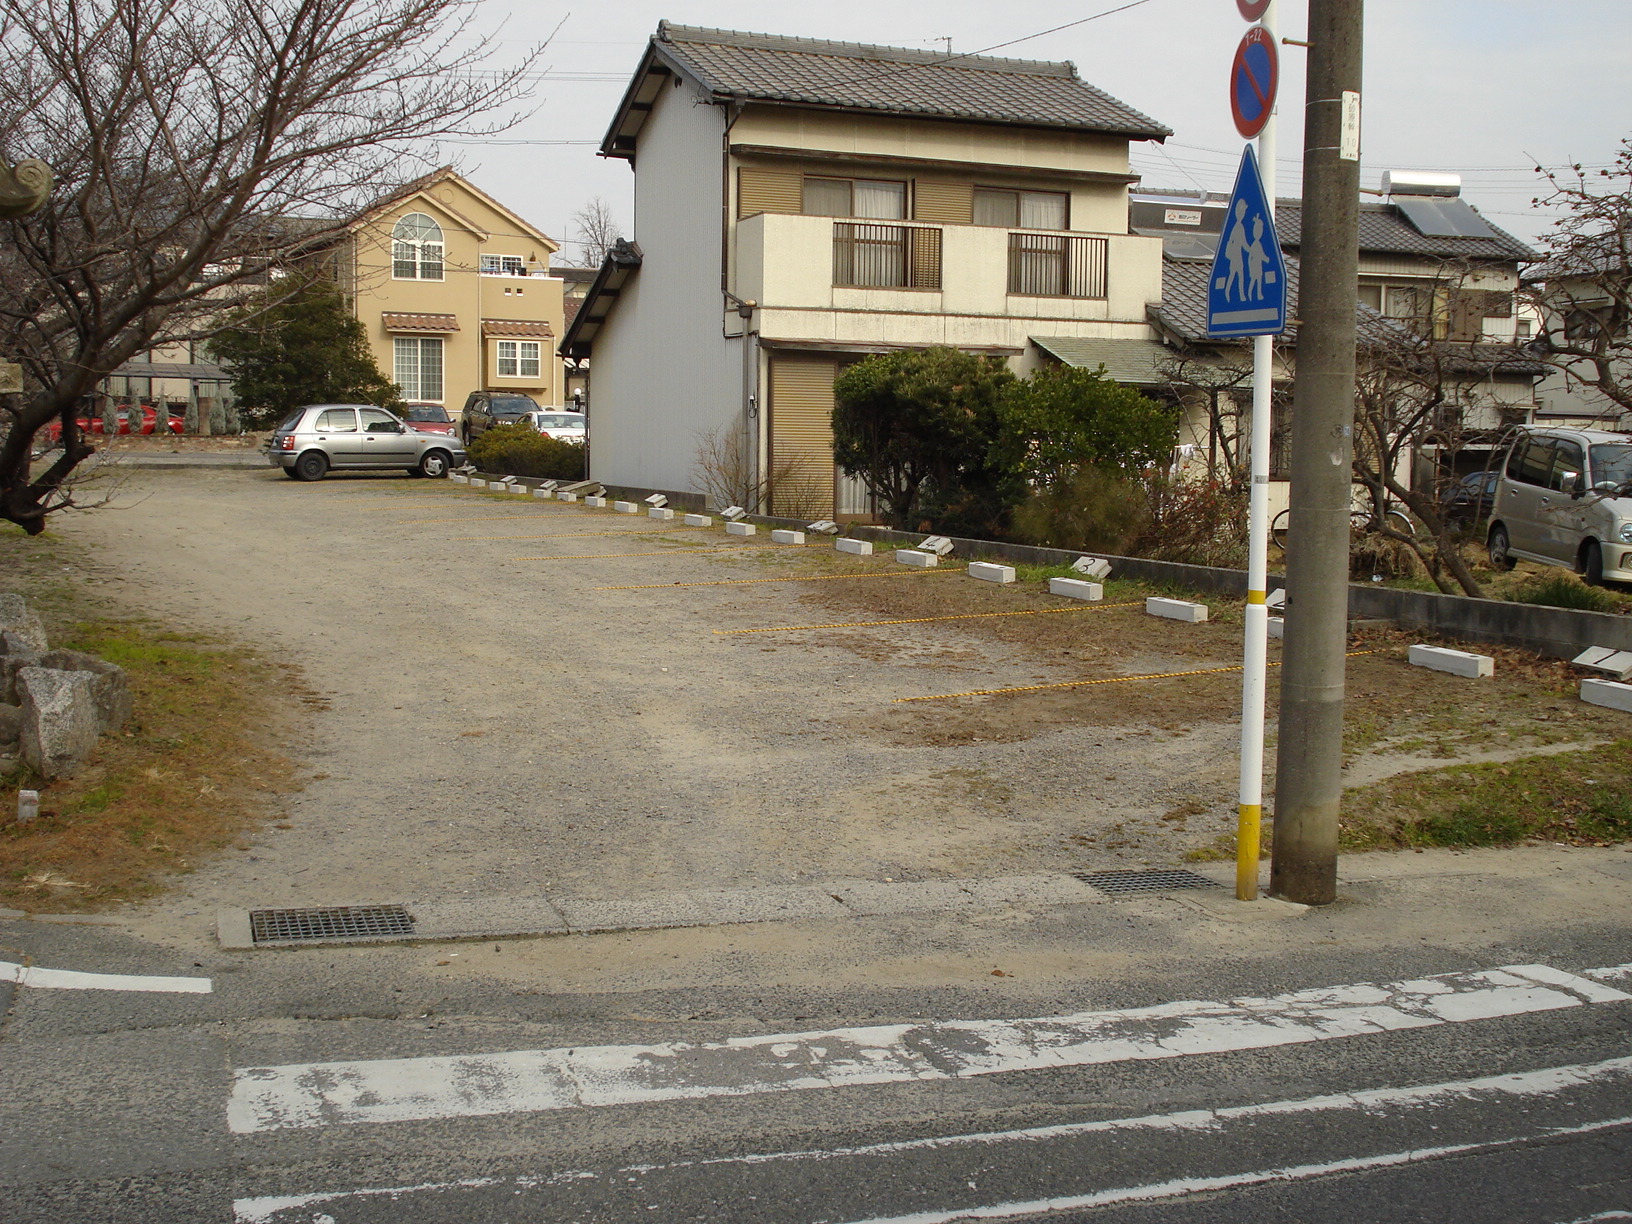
{"x":185,"y":778}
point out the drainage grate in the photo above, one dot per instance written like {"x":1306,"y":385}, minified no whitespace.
{"x":335,"y":922}
{"x":1124,"y":883}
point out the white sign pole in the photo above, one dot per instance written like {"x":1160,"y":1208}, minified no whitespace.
{"x":1255,"y":648}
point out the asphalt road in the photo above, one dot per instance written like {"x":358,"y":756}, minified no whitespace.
{"x":1448,"y":1043}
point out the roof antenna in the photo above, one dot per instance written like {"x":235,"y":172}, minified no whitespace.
{"x":944,"y":38}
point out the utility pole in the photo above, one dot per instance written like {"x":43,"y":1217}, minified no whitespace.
{"x":1308,"y":780}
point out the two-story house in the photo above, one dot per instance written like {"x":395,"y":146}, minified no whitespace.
{"x":802,"y":204}
{"x":456,"y":293}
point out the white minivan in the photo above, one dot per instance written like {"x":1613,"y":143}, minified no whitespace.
{"x":1564,"y":497}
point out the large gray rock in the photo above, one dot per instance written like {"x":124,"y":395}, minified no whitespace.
{"x":11,"y":726}
{"x":59,"y":720}
{"x":110,"y":688}
{"x":15,"y":652}
{"x":15,"y":616}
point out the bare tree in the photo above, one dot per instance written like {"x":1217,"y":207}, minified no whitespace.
{"x":1583,"y":290}
{"x":1220,"y":382}
{"x":595,"y":230}
{"x":196,"y":145}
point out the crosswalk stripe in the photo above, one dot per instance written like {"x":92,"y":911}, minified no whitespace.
{"x":1518,"y":1089}
{"x":528,"y":1081}
{"x":68,"y":979}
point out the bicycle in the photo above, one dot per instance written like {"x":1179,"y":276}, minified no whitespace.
{"x":1363,"y":522}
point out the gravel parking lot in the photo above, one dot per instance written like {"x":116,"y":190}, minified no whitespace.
{"x":522,"y":695}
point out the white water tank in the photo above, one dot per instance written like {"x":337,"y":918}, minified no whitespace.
{"x":1421,"y":183}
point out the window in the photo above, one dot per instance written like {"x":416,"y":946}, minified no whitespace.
{"x":419,"y":367}
{"x":873,"y":198}
{"x":503,"y":265}
{"x":337,"y":420}
{"x":1531,"y":463}
{"x":416,"y":248}
{"x":1021,"y":209}
{"x":1568,"y":463}
{"x":1057,"y":265}
{"x":518,"y":358}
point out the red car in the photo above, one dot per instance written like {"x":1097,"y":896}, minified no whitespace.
{"x":52,"y":432}
{"x":428,"y":419}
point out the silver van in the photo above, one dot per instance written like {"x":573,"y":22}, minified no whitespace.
{"x":311,"y":440}
{"x":1564,"y":497}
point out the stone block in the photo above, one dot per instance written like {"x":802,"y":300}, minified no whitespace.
{"x":59,"y":720}
{"x":15,"y":654}
{"x":1092,"y":567}
{"x":1177,"y":609}
{"x":916,"y":557}
{"x":1610,"y":693}
{"x":11,"y":726}
{"x":988,"y":571}
{"x":1616,"y":664}
{"x":782,"y":536}
{"x":624,"y":507}
{"x":1453,"y":662}
{"x":740,"y":529}
{"x":661,"y":513}
{"x":477,"y":482}
{"x":16,"y":617}
{"x":566,"y":497}
{"x":856,"y":548}
{"x":1276,"y":599}
{"x":459,"y":478}
{"x":1275,"y":626}
{"x":520,"y":490}
{"x":599,"y":503}
{"x":699,"y":520}
{"x":1076,"y":588}
{"x":546,"y":494}
{"x":109,"y":687}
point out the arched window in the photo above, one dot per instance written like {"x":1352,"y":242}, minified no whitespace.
{"x":416,"y":248}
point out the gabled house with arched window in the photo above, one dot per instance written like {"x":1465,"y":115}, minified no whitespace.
{"x":456,"y":293}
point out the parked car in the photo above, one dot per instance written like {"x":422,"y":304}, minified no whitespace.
{"x":428,"y":418}
{"x":558,"y":423}
{"x":311,"y":440}
{"x":1468,"y":501}
{"x":127,"y":423}
{"x":1564,"y":497}
{"x":485,"y":409}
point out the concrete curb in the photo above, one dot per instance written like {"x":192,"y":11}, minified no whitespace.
{"x":538,"y":916}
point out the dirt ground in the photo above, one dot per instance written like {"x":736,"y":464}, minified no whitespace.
{"x":520,"y":696}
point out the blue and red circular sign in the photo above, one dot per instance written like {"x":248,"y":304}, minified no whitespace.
{"x":1254,"y":77}
{"x":1252,"y":9}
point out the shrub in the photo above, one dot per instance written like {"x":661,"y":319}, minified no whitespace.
{"x":1091,"y":509}
{"x":1561,"y":590}
{"x":1194,"y":521}
{"x":520,"y":450}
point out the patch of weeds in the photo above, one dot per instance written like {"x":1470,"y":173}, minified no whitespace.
{"x":182,"y":779}
{"x":1558,"y":589}
{"x":1577,"y":798}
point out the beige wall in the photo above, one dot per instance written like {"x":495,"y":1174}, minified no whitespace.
{"x":471,"y":227}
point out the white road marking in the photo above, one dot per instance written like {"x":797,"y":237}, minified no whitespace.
{"x":68,"y":979}
{"x":1182,"y":1186}
{"x":528,"y":1081}
{"x":1481,"y":1093}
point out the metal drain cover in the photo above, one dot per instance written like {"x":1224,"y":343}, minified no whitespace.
{"x":1122,"y":883}
{"x":334,"y":922}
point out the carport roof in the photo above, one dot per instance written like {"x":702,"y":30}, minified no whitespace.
{"x":1132,"y":361}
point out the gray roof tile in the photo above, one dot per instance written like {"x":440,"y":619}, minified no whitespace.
{"x":897,"y":80}
{"x":1384,"y":230}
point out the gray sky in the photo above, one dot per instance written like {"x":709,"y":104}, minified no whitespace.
{"x":1485,"y":88}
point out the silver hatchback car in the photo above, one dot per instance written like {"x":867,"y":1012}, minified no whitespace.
{"x":311,"y":440}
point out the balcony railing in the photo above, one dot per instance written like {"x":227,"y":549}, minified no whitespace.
{"x":869,"y":256}
{"x":1057,"y":265}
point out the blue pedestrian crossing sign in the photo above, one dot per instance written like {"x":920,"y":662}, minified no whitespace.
{"x":1246,"y":294}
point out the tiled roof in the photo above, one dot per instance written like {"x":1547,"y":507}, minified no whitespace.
{"x":1134,"y":362}
{"x":403,"y":321}
{"x":899,"y":81}
{"x":1183,"y":308}
{"x":1384,"y":230}
{"x":515,"y":327}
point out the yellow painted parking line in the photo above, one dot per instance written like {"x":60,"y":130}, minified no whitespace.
{"x":924,"y":620}
{"x":1065,"y":684}
{"x":507,"y":518}
{"x":652,"y":586}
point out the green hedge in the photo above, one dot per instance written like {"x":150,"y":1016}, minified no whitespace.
{"x":520,"y":450}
